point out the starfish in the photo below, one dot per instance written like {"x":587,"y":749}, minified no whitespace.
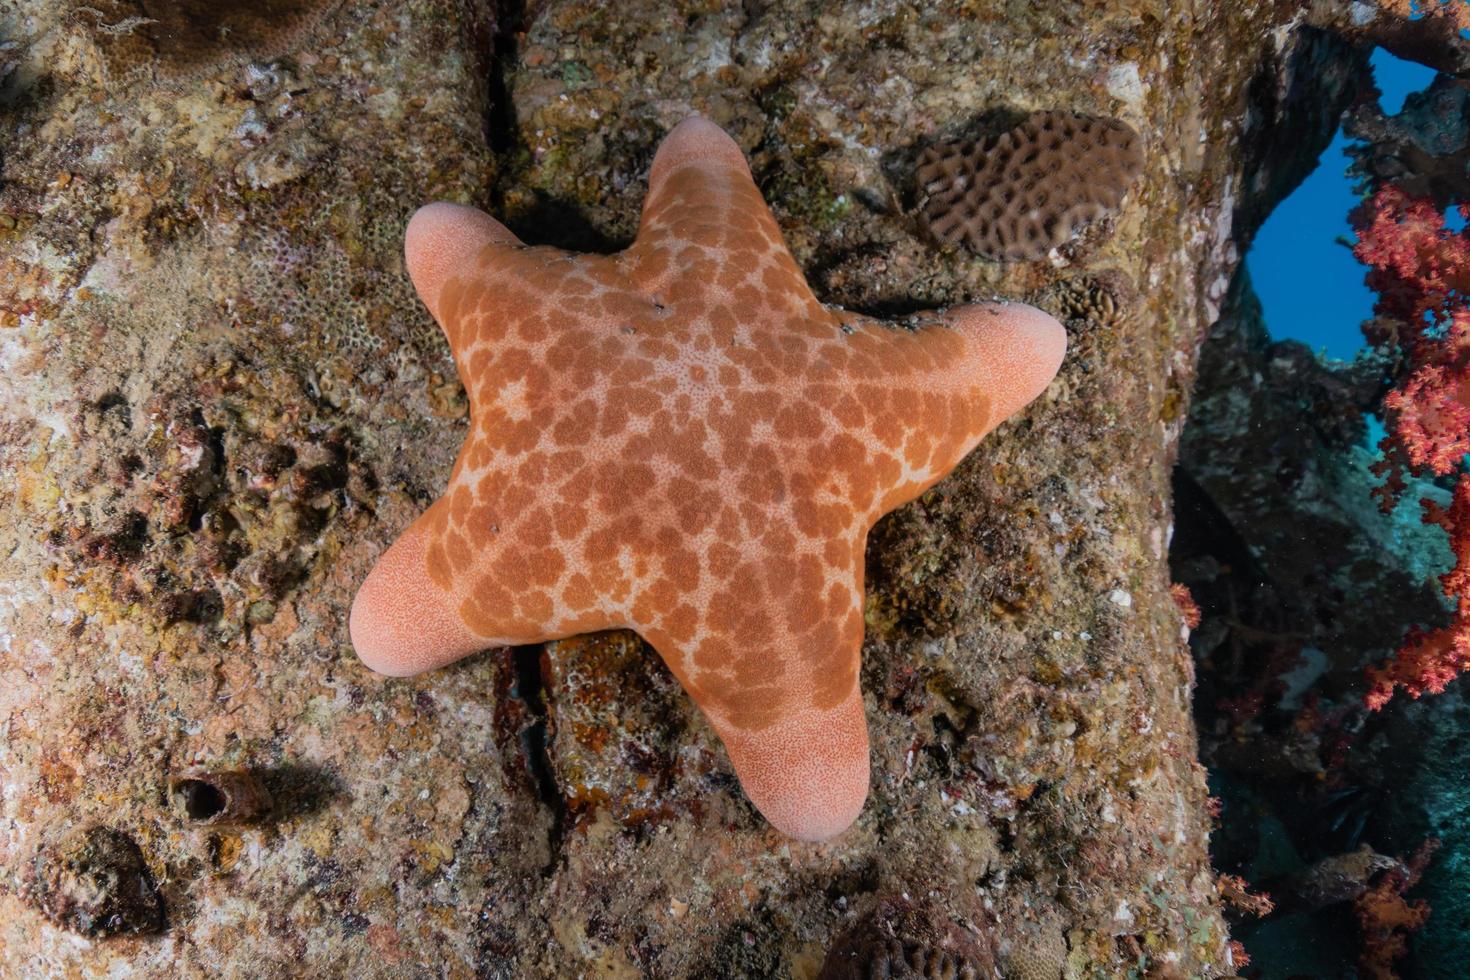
{"x":679,"y":439}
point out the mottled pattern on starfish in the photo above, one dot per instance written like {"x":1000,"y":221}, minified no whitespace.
{"x":681,"y":440}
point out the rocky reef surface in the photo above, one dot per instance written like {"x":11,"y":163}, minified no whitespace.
{"x":221,"y":401}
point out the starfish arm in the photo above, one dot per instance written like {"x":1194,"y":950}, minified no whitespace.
{"x":706,"y":234}
{"x":773,"y":663}
{"x":702,"y":144}
{"x":933,"y":393}
{"x":1016,"y":348}
{"x":808,"y":773}
{"x":402,"y":621}
{"x":792,"y":723}
{"x":445,"y":242}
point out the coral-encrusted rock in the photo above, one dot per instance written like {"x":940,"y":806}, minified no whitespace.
{"x":903,"y":940}
{"x":1017,"y":195}
{"x":1341,"y":877}
{"x":1424,"y":149}
{"x":234,"y":248}
{"x":1105,"y":299}
{"x":94,"y":882}
{"x":617,"y":728}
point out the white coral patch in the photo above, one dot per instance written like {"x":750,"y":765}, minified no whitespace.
{"x":1125,"y":84}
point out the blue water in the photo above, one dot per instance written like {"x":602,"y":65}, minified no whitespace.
{"x":1310,"y":285}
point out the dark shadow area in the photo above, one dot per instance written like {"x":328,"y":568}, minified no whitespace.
{"x":510,"y":21}
{"x":301,"y":789}
{"x":561,"y":225}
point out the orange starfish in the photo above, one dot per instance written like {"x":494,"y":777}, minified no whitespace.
{"x":681,"y":440}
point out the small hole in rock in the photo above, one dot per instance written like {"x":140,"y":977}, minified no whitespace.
{"x":113,"y":399}
{"x":201,"y":800}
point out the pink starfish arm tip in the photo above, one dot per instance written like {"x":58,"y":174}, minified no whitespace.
{"x":1019,"y":346}
{"x":444,"y":240}
{"x":807,"y":774}
{"x":402,"y":623}
{"x":695,"y":140}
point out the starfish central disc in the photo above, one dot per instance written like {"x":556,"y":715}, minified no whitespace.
{"x":681,"y":440}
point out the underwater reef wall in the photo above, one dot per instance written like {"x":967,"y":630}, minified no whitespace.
{"x":1308,"y":584}
{"x":221,"y":401}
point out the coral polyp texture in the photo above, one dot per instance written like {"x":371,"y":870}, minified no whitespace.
{"x":179,"y":40}
{"x":681,"y":440}
{"x":903,"y":940}
{"x":1015,"y":196}
{"x":1420,"y":269}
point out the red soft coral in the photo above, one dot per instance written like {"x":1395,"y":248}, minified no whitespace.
{"x":1421,"y":272}
{"x":1430,"y":659}
{"x":1385,"y":918}
{"x":1432,"y":419}
{"x":1189,"y":610}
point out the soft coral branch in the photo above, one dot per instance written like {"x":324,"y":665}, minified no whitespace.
{"x":1386,"y":918}
{"x":1421,"y":272}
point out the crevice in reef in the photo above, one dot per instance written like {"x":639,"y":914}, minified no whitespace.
{"x":548,"y":221}
{"x":501,"y":131}
{"x":529,"y":687}
{"x":510,"y":21}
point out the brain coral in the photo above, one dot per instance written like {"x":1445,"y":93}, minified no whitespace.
{"x":902,"y":940}
{"x":1017,"y":195}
